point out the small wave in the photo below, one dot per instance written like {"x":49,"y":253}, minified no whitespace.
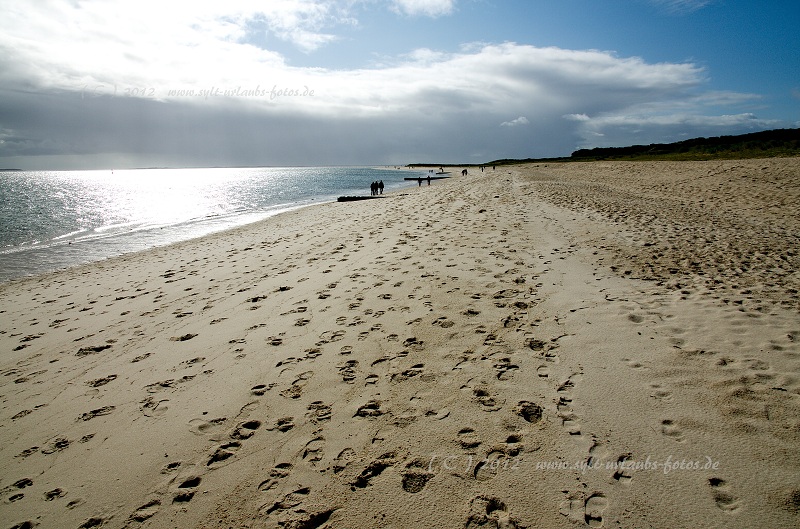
{"x":122,"y":226}
{"x":69,"y":235}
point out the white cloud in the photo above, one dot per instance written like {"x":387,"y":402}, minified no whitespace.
{"x":430,"y":8}
{"x":522,"y":120}
{"x":681,"y":7}
{"x":576,"y":117}
{"x":74,"y":67}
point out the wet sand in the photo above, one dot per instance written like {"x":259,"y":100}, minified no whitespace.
{"x":562,"y":345}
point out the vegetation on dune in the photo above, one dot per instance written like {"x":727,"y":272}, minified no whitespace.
{"x":765,"y":144}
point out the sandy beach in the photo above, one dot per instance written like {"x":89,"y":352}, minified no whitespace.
{"x":605,"y":344}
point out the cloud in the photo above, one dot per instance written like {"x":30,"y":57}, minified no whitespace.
{"x":429,"y":8}
{"x":576,"y":117}
{"x":632,"y":128}
{"x":150,"y":85}
{"x":522,"y":120}
{"x":682,"y":7}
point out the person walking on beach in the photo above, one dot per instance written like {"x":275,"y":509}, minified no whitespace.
{"x":380,"y":186}
{"x":429,"y":179}
{"x":419,"y":181}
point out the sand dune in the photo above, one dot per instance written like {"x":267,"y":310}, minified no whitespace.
{"x":602,"y":345}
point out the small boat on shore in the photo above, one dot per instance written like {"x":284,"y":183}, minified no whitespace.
{"x":358,"y":197}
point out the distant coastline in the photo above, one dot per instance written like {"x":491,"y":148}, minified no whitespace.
{"x":777,"y":143}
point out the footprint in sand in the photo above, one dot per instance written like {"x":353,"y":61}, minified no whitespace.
{"x":146,"y":511}
{"x":289,"y":511}
{"x":141,"y":357}
{"x":312,"y":353}
{"x":443,"y":322}
{"x":344,"y":458}
{"x":373,"y":470}
{"x":660,"y":392}
{"x":204,"y":427}
{"x":416,"y":476}
{"x":171,"y":467}
{"x":185,"y":493}
{"x":416,"y":369}
{"x":296,"y":389}
{"x":622,"y":474}
{"x":504,"y":368}
{"x":633,"y":363}
{"x":56,"y":445}
{"x":283,"y":424}
{"x":278,"y":472}
{"x":488,"y":511}
{"x":635,"y":318}
{"x":289,"y":501}
{"x":513,"y":444}
{"x":723,"y":497}
{"x":670,"y":429}
{"x":183,"y":338}
{"x":370,"y":409}
{"x":319,"y":412}
{"x":568,"y":418}
{"x":588,"y":510}
{"x":329,"y":337}
{"x":348,"y":371}
{"x":92,"y":522}
{"x":259,"y":389}
{"x":529,"y":411}
{"x":313,"y":451}
{"x":483,"y":395}
{"x":97,"y":382}
{"x":245,"y":430}
{"x":468,"y":438}
{"x":500,"y":458}
{"x":54,"y":494}
{"x":223,"y":452}
{"x":89,"y":415}
{"x":414,"y":344}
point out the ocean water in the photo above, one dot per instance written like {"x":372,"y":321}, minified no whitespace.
{"x":51,"y":220}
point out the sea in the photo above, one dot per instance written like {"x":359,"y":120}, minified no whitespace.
{"x":51,"y":220}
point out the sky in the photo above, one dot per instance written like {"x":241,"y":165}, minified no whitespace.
{"x":95,"y":84}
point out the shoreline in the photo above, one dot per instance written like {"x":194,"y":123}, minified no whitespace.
{"x":65,"y":245}
{"x":430,"y":359}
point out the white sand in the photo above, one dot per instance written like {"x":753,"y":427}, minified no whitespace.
{"x":430,"y":359}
